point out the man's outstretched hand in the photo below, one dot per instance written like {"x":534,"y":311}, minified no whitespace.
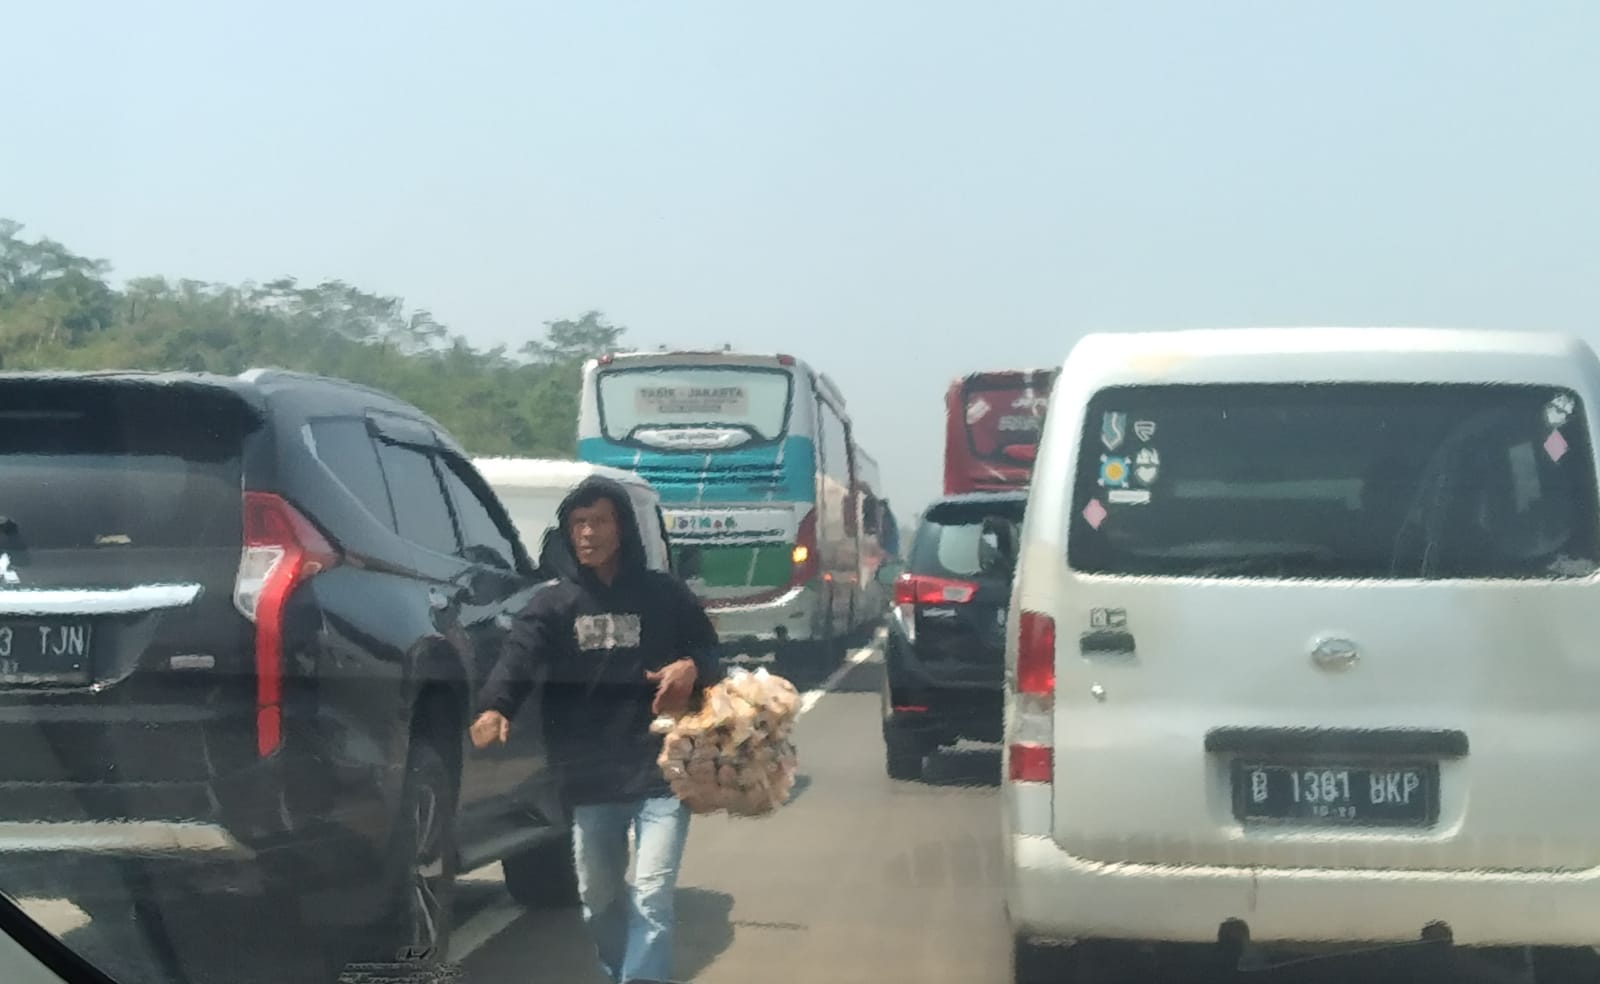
{"x":490,"y":727}
{"x":674,"y":686}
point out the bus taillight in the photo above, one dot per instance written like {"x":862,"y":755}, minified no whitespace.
{"x":803,"y":558}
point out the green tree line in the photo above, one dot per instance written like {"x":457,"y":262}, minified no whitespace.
{"x":59,"y":310}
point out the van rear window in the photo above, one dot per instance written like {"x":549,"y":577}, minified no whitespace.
{"x":1336,"y":481}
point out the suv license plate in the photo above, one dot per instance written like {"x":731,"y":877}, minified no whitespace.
{"x":44,"y":652}
{"x":1404,"y":795}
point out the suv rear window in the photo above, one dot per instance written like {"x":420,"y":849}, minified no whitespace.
{"x":96,"y":465}
{"x":946,"y":544}
{"x":1336,"y":481}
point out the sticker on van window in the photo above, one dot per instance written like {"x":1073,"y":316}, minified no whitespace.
{"x":977,"y":410}
{"x":1113,"y":472}
{"x":1147,"y":465}
{"x":1113,"y":429}
{"x":1144,"y":430}
{"x":1558,"y":410}
{"x":1129,"y":497}
{"x":1094,"y":514}
{"x":1555,"y":445}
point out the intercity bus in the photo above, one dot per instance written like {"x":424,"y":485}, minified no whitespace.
{"x":761,"y":482}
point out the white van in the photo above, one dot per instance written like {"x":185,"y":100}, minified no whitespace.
{"x":532,"y":490}
{"x":1305,"y":645}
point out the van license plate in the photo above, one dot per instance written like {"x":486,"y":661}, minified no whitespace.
{"x":44,"y":652}
{"x":1343,"y":795}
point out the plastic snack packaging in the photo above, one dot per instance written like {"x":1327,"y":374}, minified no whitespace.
{"x":733,"y":754}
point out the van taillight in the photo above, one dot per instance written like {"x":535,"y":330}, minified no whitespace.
{"x":803,"y":557}
{"x":281,"y":550}
{"x":1031,"y":738}
{"x":1036,"y":654}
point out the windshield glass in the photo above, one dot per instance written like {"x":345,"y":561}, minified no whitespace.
{"x":1365,"y":481}
{"x":670,"y":405}
{"x":287,"y":697}
{"x":1005,"y":415}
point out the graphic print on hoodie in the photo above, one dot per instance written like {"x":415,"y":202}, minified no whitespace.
{"x":588,"y":646}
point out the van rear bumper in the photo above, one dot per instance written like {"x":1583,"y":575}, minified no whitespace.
{"x":1052,"y":895}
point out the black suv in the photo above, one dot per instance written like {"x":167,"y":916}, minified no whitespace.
{"x":945,"y":651}
{"x":242,"y":620}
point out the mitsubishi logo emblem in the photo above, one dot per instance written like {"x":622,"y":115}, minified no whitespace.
{"x":7,"y":575}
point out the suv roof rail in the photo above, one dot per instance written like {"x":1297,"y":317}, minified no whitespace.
{"x":260,"y":373}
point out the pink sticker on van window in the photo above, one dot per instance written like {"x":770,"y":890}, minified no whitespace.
{"x":1094,"y":513}
{"x":1555,"y":445}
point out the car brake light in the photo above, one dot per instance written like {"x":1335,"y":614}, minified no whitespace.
{"x":785,"y":360}
{"x":920,"y":589}
{"x":281,"y":550}
{"x":912,"y":590}
{"x":1031,"y":742}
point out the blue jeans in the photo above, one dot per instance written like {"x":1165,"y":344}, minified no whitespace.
{"x":631,"y":929}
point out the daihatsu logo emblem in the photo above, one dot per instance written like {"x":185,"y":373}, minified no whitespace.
{"x":7,"y":575}
{"x":1335,"y":654}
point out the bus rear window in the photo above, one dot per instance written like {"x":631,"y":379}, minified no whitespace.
{"x":1336,"y":481}
{"x":1004,"y":418}
{"x":700,"y":407}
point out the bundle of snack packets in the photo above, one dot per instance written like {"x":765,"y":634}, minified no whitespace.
{"x":734,"y":753}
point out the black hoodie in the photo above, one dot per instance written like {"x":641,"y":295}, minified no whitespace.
{"x":590,"y":645}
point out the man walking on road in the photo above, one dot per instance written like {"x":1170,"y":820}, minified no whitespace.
{"x":616,"y":644}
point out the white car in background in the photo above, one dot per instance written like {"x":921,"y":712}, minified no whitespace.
{"x":1302,"y":652}
{"x":532,"y":489}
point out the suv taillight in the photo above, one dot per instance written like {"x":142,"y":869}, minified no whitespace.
{"x":920,"y":589}
{"x":281,"y":550}
{"x":912,"y":590}
{"x":1031,"y":743}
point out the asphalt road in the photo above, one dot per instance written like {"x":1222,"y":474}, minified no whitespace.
{"x":858,"y":878}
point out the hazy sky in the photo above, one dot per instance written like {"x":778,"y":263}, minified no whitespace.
{"x":898,"y":192}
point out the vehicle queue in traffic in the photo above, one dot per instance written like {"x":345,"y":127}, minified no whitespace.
{"x":1280,"y":632}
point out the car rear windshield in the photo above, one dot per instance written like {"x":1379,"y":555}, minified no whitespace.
{"x":1336,"y":481}
{"x":946,"y":544}
{"x":99,"y":466}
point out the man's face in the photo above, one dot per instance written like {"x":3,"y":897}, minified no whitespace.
{"x":593,"y":531}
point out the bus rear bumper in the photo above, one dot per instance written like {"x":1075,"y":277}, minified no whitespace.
{"x":787,"y":618}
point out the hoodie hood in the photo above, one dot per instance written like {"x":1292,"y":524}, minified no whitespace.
{"x":557,"y":556}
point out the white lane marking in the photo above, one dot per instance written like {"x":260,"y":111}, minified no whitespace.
{"x":810,"y":698}
{"x":484,"y":926}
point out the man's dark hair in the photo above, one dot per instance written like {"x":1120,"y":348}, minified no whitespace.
{"x":587,"y":495}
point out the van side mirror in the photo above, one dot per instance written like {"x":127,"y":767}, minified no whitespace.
{"x":997,"y":546}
